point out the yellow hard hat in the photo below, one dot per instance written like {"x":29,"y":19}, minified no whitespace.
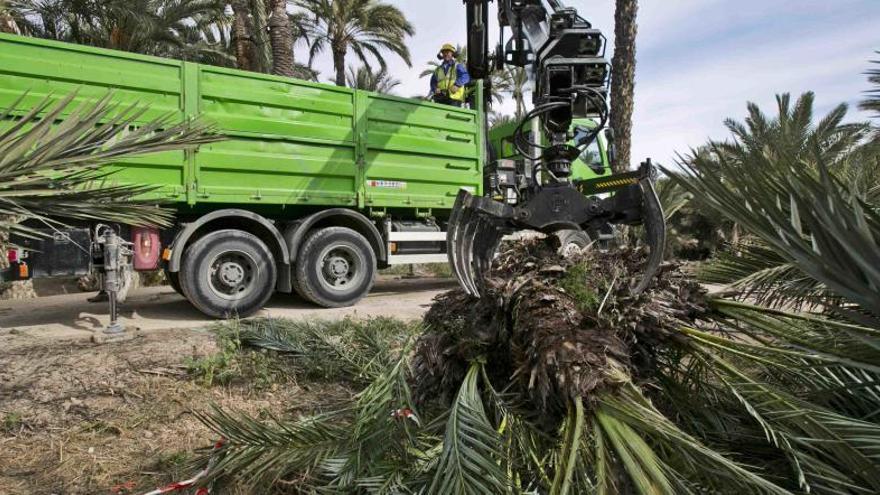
{"x":447,"y":47}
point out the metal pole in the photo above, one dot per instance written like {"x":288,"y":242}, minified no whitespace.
{"x":114,"y":253}
{"x":111,"y":279}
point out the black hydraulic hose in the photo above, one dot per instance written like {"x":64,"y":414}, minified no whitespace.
{"x":519,"y":139}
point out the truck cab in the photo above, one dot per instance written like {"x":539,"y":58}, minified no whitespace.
{"x":593,"y":162}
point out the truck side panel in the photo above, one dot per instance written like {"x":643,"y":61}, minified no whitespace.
{"x":419,"y":154}
{"x":291,"y":142}
{"x":43,"y":68}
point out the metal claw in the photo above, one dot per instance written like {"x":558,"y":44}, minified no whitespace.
{"x":472,"y":238}
{"x":655,"y":233}
{"x":456,"y":241}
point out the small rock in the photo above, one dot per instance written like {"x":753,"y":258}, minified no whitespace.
{"x":91,"y":450}
{"x":148,"y":434}
{"x":14,"y":331}
{"x":553,"y":269}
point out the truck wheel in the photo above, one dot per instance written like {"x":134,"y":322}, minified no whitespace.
{"x":571,"y":240}
{"x":173,"y":279}
{"x":228,"y":273}
{"x":335,"y":267}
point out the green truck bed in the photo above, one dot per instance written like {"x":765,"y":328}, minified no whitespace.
{"x":291,"y":142}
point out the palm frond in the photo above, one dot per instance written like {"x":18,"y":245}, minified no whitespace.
{"x":872,"y":102}
{"x":812,"y":221}
{"x":468,"y":463}
{"x":684,"y":454}
{"x":833,"y":452}
{"x":52,"y":158}
{"x":356,"y":351}
{"x":570,"y":450}
{"x":672,"y":197}
{"x":760,"y":273}
{"x":261,"y":453}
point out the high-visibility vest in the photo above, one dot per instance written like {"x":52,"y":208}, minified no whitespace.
{"x":446,"y":81}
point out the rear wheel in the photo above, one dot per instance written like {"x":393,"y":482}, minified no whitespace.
{"x":173,"y":279}
{"x":335,"y":267}
{"x":571,"y":241}
{"x":228,"y":273}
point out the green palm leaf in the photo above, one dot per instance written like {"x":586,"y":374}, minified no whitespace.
{"x":469,"y":463}
{"x":685,"y":456}
{"x":52,"y":158}
{"x":812,"y":221}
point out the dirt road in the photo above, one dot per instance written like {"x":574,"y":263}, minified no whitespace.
{"x":71,"y":317}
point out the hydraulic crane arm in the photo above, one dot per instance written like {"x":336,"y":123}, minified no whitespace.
{"x":564,"y":57}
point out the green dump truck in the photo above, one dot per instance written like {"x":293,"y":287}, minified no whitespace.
{"x":314,"y":188}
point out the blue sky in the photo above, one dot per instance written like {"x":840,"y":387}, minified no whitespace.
{"x":699,"y":61}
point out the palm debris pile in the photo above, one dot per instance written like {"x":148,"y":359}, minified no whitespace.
{"x":554,"y":327}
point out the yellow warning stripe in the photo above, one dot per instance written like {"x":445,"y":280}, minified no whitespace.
{"x":619,"y":182}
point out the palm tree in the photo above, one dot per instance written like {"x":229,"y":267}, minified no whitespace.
{"x":153,"y":27}
{"x":872,"y":102}
{"x":498,"y":119}
{"x":366,"y":79}
{"x":623,"y":73}
{"x":50,"y":171}
{"x":366,"y":27}
{"x":518,"y":85}
{"x":241,"y":35}
{"x":761,"y":158}
{"x":281,"y":36}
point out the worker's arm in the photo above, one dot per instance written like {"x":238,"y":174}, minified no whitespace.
{"x":461,"y":75}
{"x":433,"y":83}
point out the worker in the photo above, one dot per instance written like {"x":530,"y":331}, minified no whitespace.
{"x":450,"y":78}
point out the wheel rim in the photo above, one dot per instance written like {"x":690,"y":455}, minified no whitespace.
{"x":340,"y":267}
{"x":231,"y":275}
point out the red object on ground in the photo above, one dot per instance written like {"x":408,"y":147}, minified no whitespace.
{"x":147,"y":247}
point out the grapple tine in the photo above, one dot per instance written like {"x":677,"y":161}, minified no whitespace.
{"x":471,"y":240}
{"x":655,"y":232}
{"x":470,"y":222}
{"x":453,"y":237}
{"x":486,"y":240}
{"x":458,"y":241}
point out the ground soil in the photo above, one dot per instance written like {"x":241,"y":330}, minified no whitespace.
{"x":71,"y":317}
{"x":79,"y":418}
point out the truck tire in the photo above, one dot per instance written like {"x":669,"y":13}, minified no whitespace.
{"x":335,"y":267}
{"x":173,"y":279}
{"x":228,"y":273}
{"x":569,"y":240}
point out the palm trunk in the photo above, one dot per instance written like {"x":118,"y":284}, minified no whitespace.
{"x":623,"y":80}
{"x":281,"y":38}
{"x":339,"y":65}
{"x":244,"y":43}
{"x":520,"y":104}
{"x":7,"y":23}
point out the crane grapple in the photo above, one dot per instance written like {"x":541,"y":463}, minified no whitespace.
{"x":478,"y":223}
{"x":564,"y":57}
